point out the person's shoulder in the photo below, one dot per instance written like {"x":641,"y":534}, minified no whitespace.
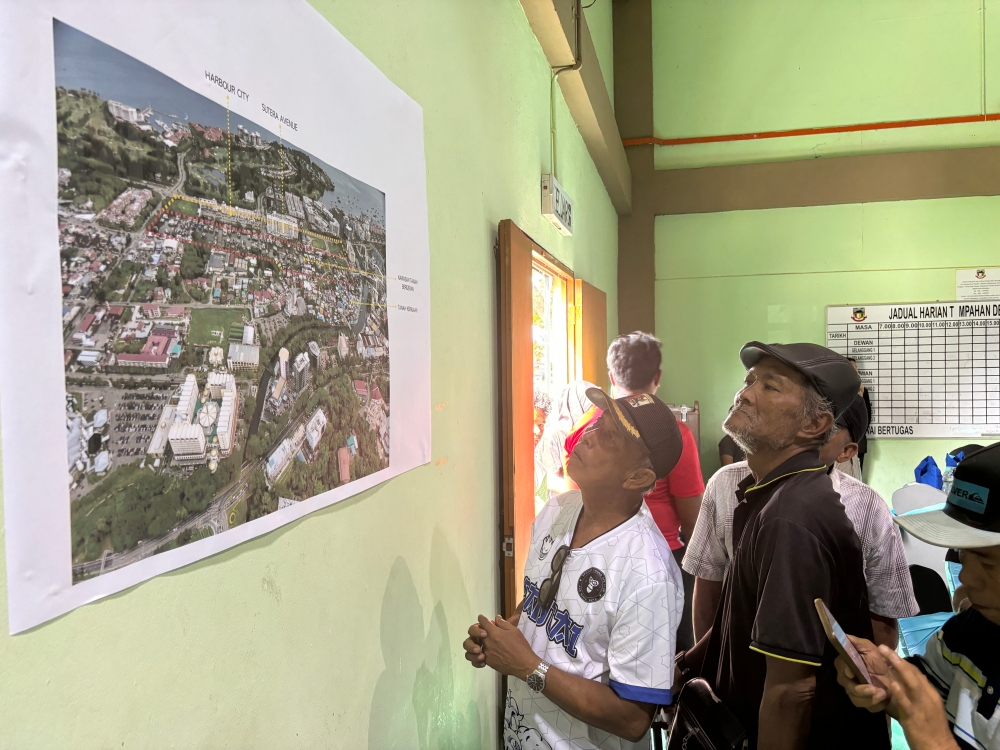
{"x":647,"y":551}
{"x":806,"y":498}
{"x":854,"y":490}
{"x":728,"y":476}
{"x":853,"y":483}
{"x":557,"y":508}
{"x":815,"y":479}
{"x":737,"y":468}
{"x":972,"y":636}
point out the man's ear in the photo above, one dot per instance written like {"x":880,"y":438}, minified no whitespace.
{"x":639,"y":479}
{"x":850,"y":451}
{"x":816,"y":428}
{"x":656,"y":380}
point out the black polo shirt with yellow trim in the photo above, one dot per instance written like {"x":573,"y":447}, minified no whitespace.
{"x":792,"y":543}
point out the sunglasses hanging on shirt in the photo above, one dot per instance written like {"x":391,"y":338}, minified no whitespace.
{"x":547,"y":591}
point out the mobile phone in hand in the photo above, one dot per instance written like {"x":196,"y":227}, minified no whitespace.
{"x":842,"y":643}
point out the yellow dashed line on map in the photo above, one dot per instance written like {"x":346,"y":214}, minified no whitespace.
{"x":229,"y":158}
{"x":281,"y":153}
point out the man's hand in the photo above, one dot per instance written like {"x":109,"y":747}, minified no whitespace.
{"x":915,"y":704}
{"x":874,"y":697}
{"x":473,"y":646}
{"x":506,"y":649}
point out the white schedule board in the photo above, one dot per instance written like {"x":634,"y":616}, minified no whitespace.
{"x":932,"y":369}
{"x":215,"y":259}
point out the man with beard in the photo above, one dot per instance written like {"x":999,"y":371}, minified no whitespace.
{"x":890,"y":592}
{"x":767,"y":656}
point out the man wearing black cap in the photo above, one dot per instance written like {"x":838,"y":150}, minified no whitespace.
{"x":946,"y":698}
{"x":767,"y":656}
{"x":593,"y":640}
{"x":887,"y":574}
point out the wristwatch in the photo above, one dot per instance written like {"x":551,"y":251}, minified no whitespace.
{"x":536,"y":680}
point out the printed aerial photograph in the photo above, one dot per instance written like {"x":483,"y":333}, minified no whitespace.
{"x":225,"y":335}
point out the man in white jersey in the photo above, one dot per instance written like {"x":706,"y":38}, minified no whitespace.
{"x":890,"y":591}
{"x":591,"y":648}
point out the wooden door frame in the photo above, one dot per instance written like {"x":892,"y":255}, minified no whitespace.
{"x":510,"y":234}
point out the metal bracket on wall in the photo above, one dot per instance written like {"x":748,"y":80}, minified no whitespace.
{"x":508,"y":546}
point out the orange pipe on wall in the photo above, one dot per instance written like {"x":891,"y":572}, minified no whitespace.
{"x":892,"y":125}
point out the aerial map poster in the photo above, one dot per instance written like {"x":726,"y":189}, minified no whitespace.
{"x":215,"y":309}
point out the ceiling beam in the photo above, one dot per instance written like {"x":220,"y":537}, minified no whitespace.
{"x":867,"y":178}
{"x":554,"y":23}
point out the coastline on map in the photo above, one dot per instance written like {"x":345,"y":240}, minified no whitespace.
{"x":224,"y":313}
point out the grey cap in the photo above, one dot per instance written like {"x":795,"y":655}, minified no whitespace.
{"x":828,"y":372}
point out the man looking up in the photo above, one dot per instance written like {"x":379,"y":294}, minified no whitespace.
{"x":592,"y":642}
{"x":634,"y":363}
{"x":890,"y":590}
{"x":766,"y":655}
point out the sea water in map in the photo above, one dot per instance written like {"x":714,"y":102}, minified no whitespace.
{"x":224,"y":313}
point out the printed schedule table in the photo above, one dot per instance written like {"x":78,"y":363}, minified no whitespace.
{"x":931,"y":369}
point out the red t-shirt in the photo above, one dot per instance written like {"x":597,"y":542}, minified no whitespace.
{"x":684,"y":481}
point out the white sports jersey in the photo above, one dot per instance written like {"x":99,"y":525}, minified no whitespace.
{"x":614,"y":619}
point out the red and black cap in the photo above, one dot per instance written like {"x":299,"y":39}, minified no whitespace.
{"x":970,"y":517}
{"x":648,"y":422}
{"x":828,"y":372}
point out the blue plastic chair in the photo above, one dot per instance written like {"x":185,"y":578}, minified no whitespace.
{"x":914,"y":632}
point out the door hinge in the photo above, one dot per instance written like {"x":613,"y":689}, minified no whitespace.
{"x":508,"y":546}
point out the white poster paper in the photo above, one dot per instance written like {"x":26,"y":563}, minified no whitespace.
{"x":932,"y":369}
{"x":977,"y":283}
{"x":215,"y":295}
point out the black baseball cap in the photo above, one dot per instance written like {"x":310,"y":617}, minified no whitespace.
{"x":855,"y":419}
{"x":971,"y":515}
{"x":648,"y":422}
{"x":829,"y":373}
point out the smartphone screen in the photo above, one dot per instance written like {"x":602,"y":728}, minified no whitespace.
{"x":841,"y":642}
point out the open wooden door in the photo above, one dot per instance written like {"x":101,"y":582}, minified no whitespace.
{"x":552,"y":329}
{"x":592,"y":334}
{"x":517,"y":459}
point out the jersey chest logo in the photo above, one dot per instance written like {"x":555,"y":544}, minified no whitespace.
{"x":592,"y":585}
{"x":547,"y":543}
{"x":559,"y":626}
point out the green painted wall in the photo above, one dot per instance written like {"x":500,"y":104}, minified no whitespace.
{"x":743,"y":66}
{"x":598,"y":17}
{"x":727,"y":278}
{"x":344,"y":629}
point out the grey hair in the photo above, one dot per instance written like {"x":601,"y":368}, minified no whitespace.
{"x":815,"y":404}
{"x":634,"y":358}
